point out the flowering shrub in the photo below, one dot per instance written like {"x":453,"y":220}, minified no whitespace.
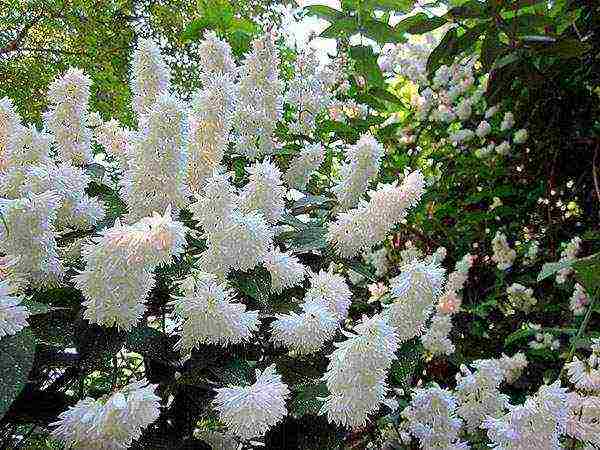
{"x":297,"y":255}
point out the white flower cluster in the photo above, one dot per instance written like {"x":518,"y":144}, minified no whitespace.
{"x":156,"y":177}
{"x":77,"y":209}
{"x":585,"y":375}
{"x":569,"y":253}
{"x":582,"y":422}
{"x":367,"y":225}
{"x":13,"y":315}
{"x":111,"y":423}
{"x":414,"y":292}
{"x":503,"y":255}
{"x":119,"y":265}
{"x":28,"y":236}
{"x":210,"y":123}
{"x":150,"y":76}
{"x":451,"y":300}
{"x":250,"y":411}
{"x":478,"y":392}
{"x":264,"y":191}
{"x":303,"y":165}
{"x":285,"y":269}
{"x":325,"y":306}
{"x":512,"y":366}
{"x":364,"y":159}
{"x":235,"y":240}
{"x":579,"y":300}
{"x":541,"y":419}
{"x":28,"y":170}
{"x":67,"y":118}
{"x":357,"y":372}
{"x":260,"y":99}
{"x":520,"y":298}
{"x":432,"y":419}
{"x":310,"y":91}
{"x":209,"y":314}
{"x":214,"y":58}
{"x":116,"y":141}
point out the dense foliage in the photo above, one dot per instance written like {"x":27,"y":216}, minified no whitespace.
{"x":210,"y":240}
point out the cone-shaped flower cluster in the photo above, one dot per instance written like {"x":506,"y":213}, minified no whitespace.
{"x":67,"y":118}
{"x":414,"y":291}
{"x":264,"y":192}
{"x":364,"y":159}
{"x":109,"y":424}
{"x":210,"y":316}
{"x":250,"y":411}
{"x":541,"y":419}
{"x":157,"y":171}
{"x":285,"y":269}
{"x":432,"y":419}
{"x":150,"y":76}
{"x":27,"y":234}
{"x":118,"y":274}
{"x":362,"y":228}
{"x":260,"y":100}
{"x":357,"y":372}
{"x":304,"y":165}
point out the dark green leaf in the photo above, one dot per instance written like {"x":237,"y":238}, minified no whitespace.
{"x":366,"y":64}
{"x":149,"y":342}
{"x":381,"y":32}
{"x":419,"y":23}
{"x":440,"y":55}
{"x":340,"y":28}
{"x":308,"y":239}
{"x":323,"y":12}
{"x":16,"y":359}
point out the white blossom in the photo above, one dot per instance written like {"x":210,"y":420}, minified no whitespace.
{"x":541,"y":419}
{"x":432,"y":418}
{"x":364,"y":159}
{"x":68,"y":96}
{"x":285,"y":269}
{"x":250,"y":411}
{"x":13,"y":315}
{"x":264,"y":191}
{"x":157,"y":169}
{"x":111,"y":423}
{"x":303,"y":165}
{"x":305,"y":332}
{"x":357,"y":372}
{"x":260,"y":101}
{"x":503,"y":255}
{"x":210,"y":316}
{"x":27,"y":234}
{"x":150,"y":75}
{"x":119,"y":265}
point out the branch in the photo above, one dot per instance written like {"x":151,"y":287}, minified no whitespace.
{"x":14,"y":45}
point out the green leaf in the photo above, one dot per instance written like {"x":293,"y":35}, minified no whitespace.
{"x":381,"y":32}
{"x":16,"y":360}
{"x":491,"y":49}
{"x":366,"y":64}
{"x":419,"y":23}
{"x":410,"y":358}
{"x":565,"y":48}
{"x":308,"y":239}
{"x":440,"y":55}
{"x":306,"y":399}
{"x":309,"y":202}
{"x":149,"y":342}
{"x":386,"y":95}
{"x":471,"y":9}
{"x":394,"y":5}
{"x":34,"y":307}
{"x":341,"y":28}
{"x":323,"y":12}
